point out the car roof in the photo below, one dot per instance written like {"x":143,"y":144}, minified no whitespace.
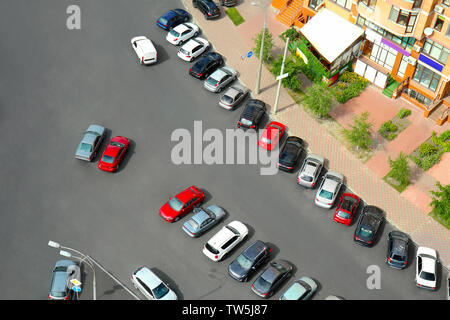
{"x":310,"y":168}
{"x":255,"y":249}
{"x":185,"y":195}
{"x":330,"y":185}
{"x":399,"y":247}
{"x":200,"y":216}
{"x":219,"y":74}
{"x":231,"y":92}
{"x":169,"y":14}
{"x":191,"y":44}
{"x":89,"y":137}
{"x":181,"y":28}
{"x":148,"y":277}
{"x":221,"y":237}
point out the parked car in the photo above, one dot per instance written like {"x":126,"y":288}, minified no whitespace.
{"x":275,"y":274}
{"x":114,"y":154}
{"x":310,"y":170}
{"x":426,"y":263}
{"x":220,"y":78}
{"x":228,"y":3}
{"x":225,"y":240}
{"x":60,"y":286}
{"x":208,"y":7}
{"x":271,"y":135}
{"x":302,"y":289}
{"x":448,"y":287}
{"x":182,"y":32}
{"x":206,"y":65}
{"x":369,"y":223}
{"x":90,"y":143}
{"x":289,"y":154}
{"x":329,"y":189}
{"x":397,"y":249}
{"x":172,"y":18}
{"x":193,"y":48}
{"x":233,"y":96}
{"x":181,"y":204}
{"x":145,"y":50}
{"x":256,"y":255}
{"x":203,"y":220}
{"x":346,"y":208}
{"x":152,"y":287}
{"x":252,"y":114}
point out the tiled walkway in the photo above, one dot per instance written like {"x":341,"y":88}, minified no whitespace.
{"x":363,"y":180}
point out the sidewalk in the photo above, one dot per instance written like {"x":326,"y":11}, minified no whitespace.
{"x":233,"y":42}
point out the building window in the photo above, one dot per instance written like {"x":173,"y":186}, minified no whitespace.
{"x":370,"y":3}
{"x":313,"y":4}
{"x":446,"y":2}
{"x":347,"y":4}
{"x":418,"y":3}
{"x":436,"y":51}
{"x":419,"y":97}
{"x":438,"y":24}
{"x":402,"y":67}
{"x":403,"y":17}
{"x":426,"y":77}
{"x":383,"y":55}
{"x":448,"y":31}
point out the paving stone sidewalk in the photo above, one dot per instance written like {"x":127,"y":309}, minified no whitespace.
{"x":233,"y":42}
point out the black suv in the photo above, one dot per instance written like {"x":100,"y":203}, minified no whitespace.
{"x":252,"y":114}
{"x":289,"y":154}
{"x":249,"y":260}
{"x":206,"y":65}
{"x":208,"y":7}
{"x":369,"y":223}
{"x":397,"y":250}
{"x":228,"y":3}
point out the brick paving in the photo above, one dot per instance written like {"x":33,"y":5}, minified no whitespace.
{"x":233,"y":42}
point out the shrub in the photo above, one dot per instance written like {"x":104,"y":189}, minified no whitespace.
{"x":350,"y":86}
{"x":318,"y":99}
{"x":427,"y":149}
{"x":391,"y":136}
{"x":292,"y":33}
{"x":388,"y":130}
{"x":359,"y":134}
{"x":403,"y":113}
{"x":445,"y":136}
{"x":429,"y":161}
{"x":441,"y":201}
{"x":291,"y":67}
{"x":268,"y":45}
{"x":400,"y":169}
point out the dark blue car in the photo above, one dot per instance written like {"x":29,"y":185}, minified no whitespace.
{"x":172,"y":18}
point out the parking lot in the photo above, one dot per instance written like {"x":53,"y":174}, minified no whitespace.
{"x":55,"y":82}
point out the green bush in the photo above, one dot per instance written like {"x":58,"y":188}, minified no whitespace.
{"x":318,"y":99}
{"x":292,"y":33}
{"x":290,"y":66}
{"x":403,"y":113}
{"x":445,"y":136}
{"x":388,"y":130}
{"x":350,"y":86}
{"x":427,"y":149}
{"x":391,"y":136}
{"x":429,"y":161}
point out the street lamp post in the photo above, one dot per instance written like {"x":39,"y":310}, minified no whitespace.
{"x":261,"y":50}
{"x":280,"y":78}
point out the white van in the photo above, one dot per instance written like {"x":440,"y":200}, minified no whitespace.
{"x":145,"y":50}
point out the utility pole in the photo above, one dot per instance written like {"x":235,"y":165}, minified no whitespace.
{"x":280,"y":78}
{"x":261,"y":50}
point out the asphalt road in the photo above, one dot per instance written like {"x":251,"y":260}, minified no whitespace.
{"x":54,"y":82}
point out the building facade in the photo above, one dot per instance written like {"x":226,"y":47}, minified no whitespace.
{"x":407,"y":39}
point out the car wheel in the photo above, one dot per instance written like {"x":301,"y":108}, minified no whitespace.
{"x":180,"y":43}
{"x":176,"y":219}
{"x":186,"y":19}
{"x":195,"y":34}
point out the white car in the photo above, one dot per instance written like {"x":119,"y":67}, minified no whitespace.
{"x":144,"y":49}
{"x":426,"y":260}
{"x":193,"y":48}
{"x":329,"y":189}
{"x":182,"y":32}
{"x":225,"y":240}
{"x":152,"y":287}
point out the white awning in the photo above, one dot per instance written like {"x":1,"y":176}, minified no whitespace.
{"x":330,"y":34}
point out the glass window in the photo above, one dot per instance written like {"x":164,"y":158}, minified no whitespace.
{"x":448,"y":31}
{"x":426,"y":77}
{"x":402,"y":67}
{"x":369,"y":3}
{"x":347,"y":4}
{"x":313,"y":4}
{"x":419,"y":97}
{"x":403,"y":17}
{"x":435,"y":50}
{"x":438,"y":24}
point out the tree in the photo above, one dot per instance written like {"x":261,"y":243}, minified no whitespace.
{"x":290,"y":67}
{"x":441,"y":201}
{"x":268,"y":45}
{"x":318,"y":99}
{"x":400,"y":169}
{"x":359,"y":134}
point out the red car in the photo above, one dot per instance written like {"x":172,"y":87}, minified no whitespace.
{"x":181,"y":204}
{"x":114,"y":153}
{"x":272,"y":135}
{"x":348,"y":204}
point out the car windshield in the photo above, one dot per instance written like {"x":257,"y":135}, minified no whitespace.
{"x":227,"y":99}
{"x":175,"y":204}
{"x":244,"y":262}
{"x":184,"y":51}
{"x":398,"y":257}
{"x":212,"y":81}
{"x":287,"y":156}
{"x":160,"y":291}
{"x":163,"y":20}
{"x":246,"y":122}
{"x":107,"y":159}
{"x":343,"y":214}
{"x":427,"y":276}
{"x":307,"y":178}
{"x":58,"y":294}
{"x":326,"y":194}
{"x":174,"y":33}
{"x":364,"y":232}
{"x":86,"y":147}
{"x":117,"y":144}
{"x":211,"y":249}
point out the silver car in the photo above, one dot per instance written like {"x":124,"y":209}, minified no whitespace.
{"x":233,"y":96}
{"x":329,"y":189}
{"x":152,"y":287}
{"x":302,"y":289}
{"x":203,"y":220}
{"x":310,"y":171}
{"x":90,"y":143}
{"x":220,"y":78}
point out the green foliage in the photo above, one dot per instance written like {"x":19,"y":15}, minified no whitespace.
{"x":427,"y":149}
{"x":350,"y":86}
{"x":359,"y":134}
{"x":445,"y":136}
{"x":290,"y":33}
{"x":388,"y":130}
{"x":441,"y":201}
{"x":318,"y":99}
{"x":290,"y":66}
{"x":399,"y":169}
{"x":268,"y":45}
{"x":313,"y":70}
{"x":235,"y":16}
{"x":391,"y":136}
{"x":403,"y":113}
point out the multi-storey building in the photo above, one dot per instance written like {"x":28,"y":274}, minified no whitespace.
{"x":407,"y":39}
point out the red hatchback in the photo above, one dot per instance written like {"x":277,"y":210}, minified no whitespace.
{"x":181,"y":204}
{"x":114,"y":153}
{"x":348,"y":204}
{"x":272,"y":135}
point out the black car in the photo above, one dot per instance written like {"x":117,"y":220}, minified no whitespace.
{"x":249,"y":260}
{"x":275,"y":274}
{"x":252,"y":114}
{"x":208,"y":7}
{"x":289,"y":154}
{"x":206,"y":65}
{"x":369,"y":223}
{"x":397,"y":249}
{"x":228,"y":3}
{"x":172,"y":18}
